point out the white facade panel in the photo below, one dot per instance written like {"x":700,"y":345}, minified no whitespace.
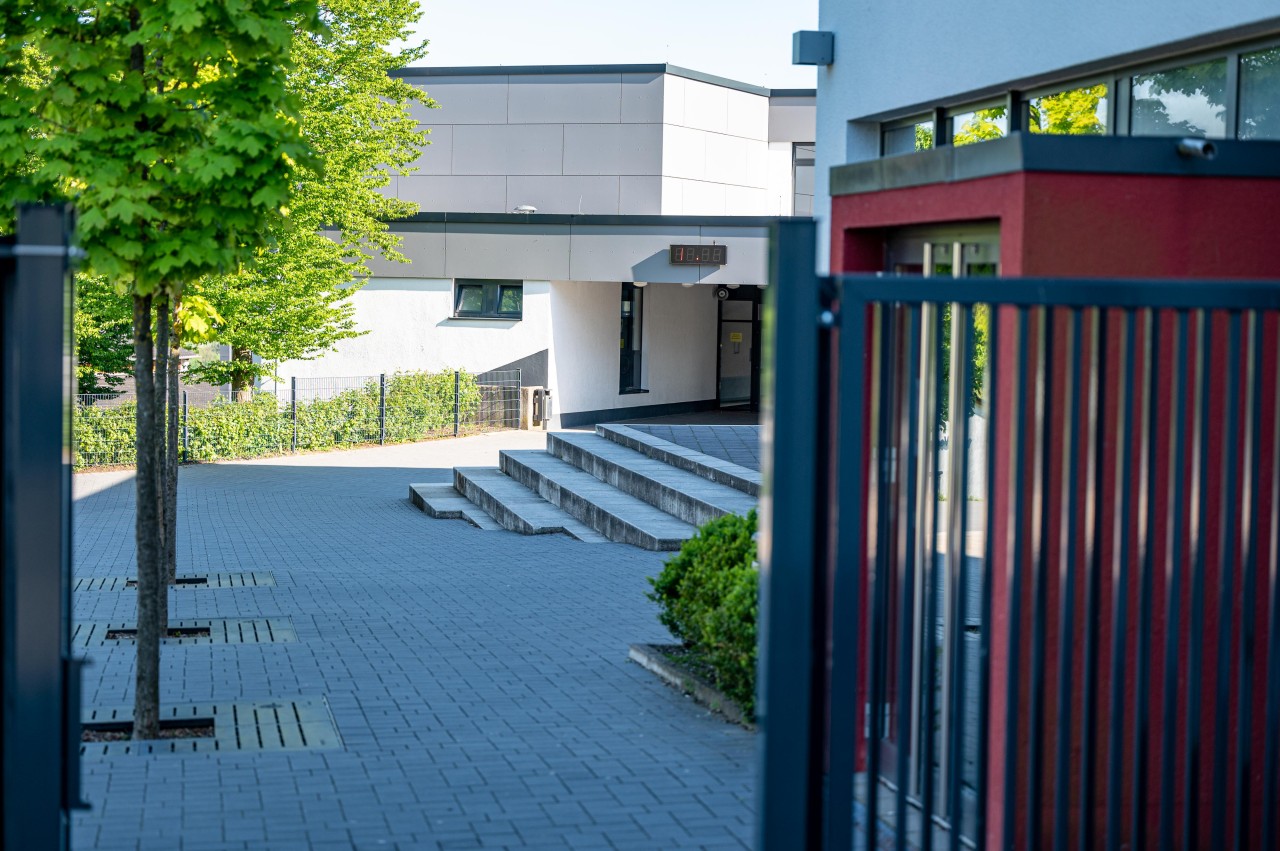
{"x":565,"y":99}
{"x":484,"y":194}
{"x":613,"y":149}
{"x":423,"y":246}
{"x":748,"y":255}
{"x":726,"y":159}
{"x":411,"y":328}
{"x":792,"y":120}
{"x":705,"y":199}
{"x":673,"y":100}
{"x":464,"y":100}
{"x":684,"y":152}
{"x":508,"y":149}
{"x":642,"y":98}
{"x":748,"y":115}
{"x":507,"y":251}
{"x":746,"y":201}
{"x":672,"y":196}
{"x":629,"y":253}
{"x":561,"y":194}
{"x":639,"y":196}
{"x":437,"y":154}
{"x":706,"y":107}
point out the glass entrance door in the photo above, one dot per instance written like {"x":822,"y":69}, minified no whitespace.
{"x":737,"y":359}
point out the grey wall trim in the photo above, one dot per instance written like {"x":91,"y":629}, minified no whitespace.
{"x":1200,"y":42}
{"x":542,"y":70}
{"x":534,"y":220}
{"x":1138,"y":155}
{"x":615,"y":415}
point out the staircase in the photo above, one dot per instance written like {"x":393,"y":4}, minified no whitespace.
{"x":618,"y":484}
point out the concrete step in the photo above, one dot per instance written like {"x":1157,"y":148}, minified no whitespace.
{"x":680,"y":493}
{"x":442,"y":501}
{"x":516,"y":507}
{"x":618,"y":516}
{"x":682,"y":457}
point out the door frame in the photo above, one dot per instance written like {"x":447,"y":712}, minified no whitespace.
{"x":755,"y":295}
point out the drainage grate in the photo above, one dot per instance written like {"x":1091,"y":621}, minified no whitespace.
{"x":190,"y":582}
{"x":276,"y":725}
{"x":224,"y":631}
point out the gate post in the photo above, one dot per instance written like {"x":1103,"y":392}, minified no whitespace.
{"x":791,"y":731}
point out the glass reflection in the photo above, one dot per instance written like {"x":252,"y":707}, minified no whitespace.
{"x":1260,"y":95}
{"x":1186,"y":101}
{"x":1075,"y":112}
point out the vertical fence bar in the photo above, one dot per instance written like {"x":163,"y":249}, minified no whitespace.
{"x":1226,"y":583}
{"x":1195,"y":636}
{"x":186,"y":433}
{"x":382,"y":408}
{"x":1074,"y":388}
{"x":789,"y":745}
{"x":1024,"y":405}
{"x":1250,"y":495}
{"x":1040,"y":578}
{"x":849,"y":570}
{"x":1093,"y":576}
{"x":457,"y":400}
{"x":938,"y":368}
{"x":1184,"y":391}
{"x":992,"y":403}
{"x":1142,"y":698}
{"x":293,"y":412}
{"x":1271,"y":710}
{"x":1128,"y":454}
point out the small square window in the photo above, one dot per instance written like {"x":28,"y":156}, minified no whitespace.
{"x":479,"y":299}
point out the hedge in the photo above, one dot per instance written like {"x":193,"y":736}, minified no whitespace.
{"x":708,"y":598}
{"x":419,"y":406}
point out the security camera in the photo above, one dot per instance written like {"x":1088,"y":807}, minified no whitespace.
{"x":1200,"y":148}
{"x":722,"y":293}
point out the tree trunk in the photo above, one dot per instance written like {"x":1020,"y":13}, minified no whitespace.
{"x":161,"y":304}
{"x":241,"y":382}
{"x":171,"y":457}
{"x":146,"y":702}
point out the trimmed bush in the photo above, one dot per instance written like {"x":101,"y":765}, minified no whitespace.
{"x":708,"y":594}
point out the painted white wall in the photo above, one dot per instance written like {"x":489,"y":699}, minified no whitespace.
{"x":886,"y":60}
{"x":412,"y":328}
{"x":679,"y":345}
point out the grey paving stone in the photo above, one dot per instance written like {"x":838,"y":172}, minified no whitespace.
{"x":479,"y":680}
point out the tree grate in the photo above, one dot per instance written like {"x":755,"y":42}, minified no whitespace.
{"x":274,"y":725}
{"x":191,"y":582}
{"x":219,"y":631}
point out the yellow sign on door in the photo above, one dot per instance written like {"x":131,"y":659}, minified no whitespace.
{"x":735,"y":336}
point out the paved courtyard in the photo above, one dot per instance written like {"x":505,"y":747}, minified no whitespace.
{"x":479,"y":680}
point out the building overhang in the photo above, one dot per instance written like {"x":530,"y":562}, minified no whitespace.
{"x":1036,"y":152}
{"x":576,"y":247}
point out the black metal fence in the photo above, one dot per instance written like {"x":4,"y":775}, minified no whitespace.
{"x":1083,"y":653}
{"x":313,"y":414}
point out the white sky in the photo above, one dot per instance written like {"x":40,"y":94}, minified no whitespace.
{"x":744,"y":40}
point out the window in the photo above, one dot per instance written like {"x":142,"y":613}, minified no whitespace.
{"x":629,"y":342}
{"x":979,"y":126}
{"x":1260,"y":95}
{"x":1186,"y":101}
{"x":475,"y":299}
{"x":1074,"y":112}
{"x":917,"y":136}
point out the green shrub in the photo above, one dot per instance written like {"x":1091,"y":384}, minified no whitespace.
{"x":418,"y":406}
{"x":708,"y":594}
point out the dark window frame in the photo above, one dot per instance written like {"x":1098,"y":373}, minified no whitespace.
{"x":491,"y":298}
{"x":631,"y":341}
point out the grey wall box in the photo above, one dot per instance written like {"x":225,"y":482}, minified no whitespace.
{"x":813,"y":47}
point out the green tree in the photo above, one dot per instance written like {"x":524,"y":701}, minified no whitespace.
{"x":169,"y":125}
{"x":104,"y":335}
{"x":1073,"y":112}
{"x":292,"y":299}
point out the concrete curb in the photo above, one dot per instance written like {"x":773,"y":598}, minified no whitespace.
{"x":651,"y":658}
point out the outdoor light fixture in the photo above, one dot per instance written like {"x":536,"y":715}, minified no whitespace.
{"x":525,"y":208}
{"x":733,"y":286}
{"x":641,"y":284}
{"x":1200,"y":148}
{"x":686,"y":285}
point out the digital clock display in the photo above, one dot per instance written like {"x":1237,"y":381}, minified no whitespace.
{"x":699,"y":255}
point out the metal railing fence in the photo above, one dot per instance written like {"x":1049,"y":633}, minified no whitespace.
{"x":1088,"y":655}
{"x":311,"y":414}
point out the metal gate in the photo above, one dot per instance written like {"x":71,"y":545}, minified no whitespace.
{"x":1019,"y":581}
